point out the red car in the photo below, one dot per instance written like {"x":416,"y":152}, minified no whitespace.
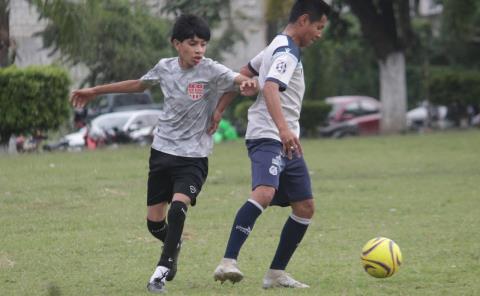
{"x":352,"y":115}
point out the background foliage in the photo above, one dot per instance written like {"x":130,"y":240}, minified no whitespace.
{"x":32,"y":99}
{"x":116,"y":39}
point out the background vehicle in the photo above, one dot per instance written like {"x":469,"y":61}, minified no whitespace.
{"x":123,"y":127}
{"x":116,"y":127}
{"x":120,"y":102}
{"x":352,"y":115}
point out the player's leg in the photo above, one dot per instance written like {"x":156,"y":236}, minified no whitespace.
{"x":188,"y":176}
{"x":157,"y":220}
{"x":159,"y":194}
{"x":266,"y":166}
{"x":242,"y":226}
{"x":294,"y":184}
{"x":177,"y":215}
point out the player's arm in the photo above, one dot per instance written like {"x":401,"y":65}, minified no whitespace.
{"x":272,"y":99}
{"x":81,"y":97}
{"x":248,"y":87}
{"x":224,"y":101}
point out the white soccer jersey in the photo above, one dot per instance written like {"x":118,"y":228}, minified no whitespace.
{"x":191,"y":96}
{"x":280,"y":63}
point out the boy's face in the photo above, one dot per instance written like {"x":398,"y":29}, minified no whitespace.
{"x":312,"y":31}
{"x":190,"y":51}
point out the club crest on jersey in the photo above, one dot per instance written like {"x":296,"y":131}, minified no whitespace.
{"x":281,"y":67}
{"x":196,"y":90}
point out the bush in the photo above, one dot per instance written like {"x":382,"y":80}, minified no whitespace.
{"x":449,"y":86}
{"x":314,"y":114}
{"x":240,"y":114}
{"x":32,"y":99}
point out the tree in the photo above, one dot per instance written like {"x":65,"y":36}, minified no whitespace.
{"x":460,"y":38}
{"x":115,"y":39}
{"x":215,"y":12}
{"x":386,"y":25}
{"x":4,"y":33}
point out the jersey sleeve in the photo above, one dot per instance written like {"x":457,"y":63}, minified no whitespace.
{"x":282,"y":68}
{"x":255,"y":63}
{"x":224,"y":77}
{"x":154,"y":76}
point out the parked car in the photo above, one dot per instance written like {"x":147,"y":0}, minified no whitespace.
{"x":70,"y":142}
{"x":352,"y":115}
{"x":360,"y":125}
{"x":120,"y":102}
{"x":427,"y":116}
{"x":347,"y":107}
{"x":123,"y":127}
{"x":117,"y":127}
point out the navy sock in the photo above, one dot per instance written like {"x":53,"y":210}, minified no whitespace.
{"x":291,"y":236}
{"x":242,"y":226}
{"x":176,"y":219}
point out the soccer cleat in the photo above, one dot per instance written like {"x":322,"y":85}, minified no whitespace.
{"x":228,"y":270}
{"x":173,"y":271}
{"x":279,"y":278}
{"x":157,"y":280}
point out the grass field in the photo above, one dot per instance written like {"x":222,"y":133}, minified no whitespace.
{"x":74,"y":223}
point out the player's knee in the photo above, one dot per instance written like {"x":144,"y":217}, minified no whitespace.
{"x":304,"y":209}
{"x":263,"y":195}
{"x":177,"y":212}
{"x":158,"y":229}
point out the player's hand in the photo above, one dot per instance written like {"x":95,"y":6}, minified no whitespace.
{"x":81,"y":97}
{"x":291,"y":144}
{"x":249,"y":87}
{"x":216,"y":117}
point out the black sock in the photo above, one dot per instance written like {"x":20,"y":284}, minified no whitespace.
{"x":292,"y":233}
{"x":176,"y":219}
{"x":158,"y":229}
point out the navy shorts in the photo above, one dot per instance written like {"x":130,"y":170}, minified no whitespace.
{"x":270,"y":167}
{"x":170,"y":174}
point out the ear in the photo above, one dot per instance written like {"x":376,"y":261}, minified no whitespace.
{"x":176,"y":43}
{"x":303,"y":20}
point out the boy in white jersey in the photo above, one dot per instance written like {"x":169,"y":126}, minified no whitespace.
{"x":279,"y":173}
{"x":178,"y":165}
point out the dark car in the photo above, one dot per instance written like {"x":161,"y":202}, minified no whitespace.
{"x":352,"y":115}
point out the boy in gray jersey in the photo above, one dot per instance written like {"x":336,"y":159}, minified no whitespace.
{"x":279,"y":173}
{"x":178,"y":165}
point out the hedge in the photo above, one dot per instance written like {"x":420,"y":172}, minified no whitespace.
{"x":314,"y":114}
{"x":32,"y":99}
{"x":449,"y":86}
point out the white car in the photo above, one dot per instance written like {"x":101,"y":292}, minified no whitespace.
{"x":125,"y":126}
{"x":417,"y":117}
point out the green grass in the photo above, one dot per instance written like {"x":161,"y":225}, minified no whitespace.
{"x":74,"y":223}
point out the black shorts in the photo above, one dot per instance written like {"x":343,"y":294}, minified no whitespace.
{"x":170,"y":174}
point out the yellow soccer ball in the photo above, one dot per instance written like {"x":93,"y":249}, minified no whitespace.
{"x":381,"y":257}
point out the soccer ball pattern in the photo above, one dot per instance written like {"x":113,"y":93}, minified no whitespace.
{"x":381,"y":257}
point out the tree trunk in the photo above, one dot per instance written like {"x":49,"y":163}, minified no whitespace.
{"x":393,"y":93}
{"x":4,"y":33}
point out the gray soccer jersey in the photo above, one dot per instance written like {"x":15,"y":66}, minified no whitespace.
{"x":191,"y":96}
{"x":280,"y":63}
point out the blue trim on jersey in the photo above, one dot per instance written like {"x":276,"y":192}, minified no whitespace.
{"x":250,"y":67}
{"x":281,"y":86}
{"x":291,"y":48}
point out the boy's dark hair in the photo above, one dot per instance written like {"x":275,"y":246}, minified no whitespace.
{"x":188,"y":26}
{"x":315,"y":9}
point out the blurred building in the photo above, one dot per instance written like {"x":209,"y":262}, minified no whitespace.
{"x":24,"y":24}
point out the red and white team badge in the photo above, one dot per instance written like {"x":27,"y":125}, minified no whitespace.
{"x":196,"y":90}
